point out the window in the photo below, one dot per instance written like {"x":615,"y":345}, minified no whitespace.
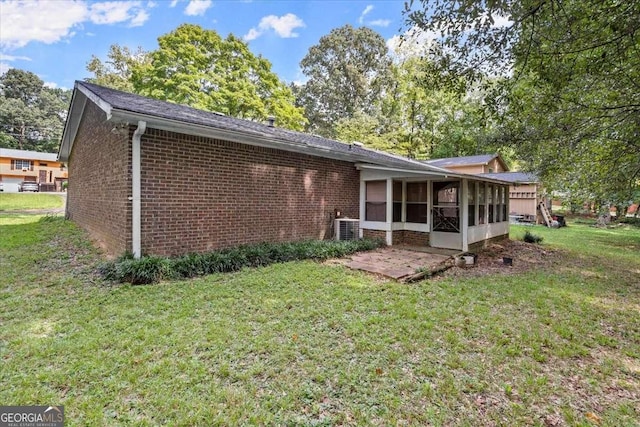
{"x":376,"y":201}
{"x":490,"y":201}
{"x":21,"y":164}
{"x":446,"y":212}
{"x":471,"y":201}
{"x":397,"y":201}
{"x":482,"y":217}
{"x":42,"y":164}
{"x":417,"y":202}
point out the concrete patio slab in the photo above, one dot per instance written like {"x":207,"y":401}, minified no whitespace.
{"x":398,"y":263}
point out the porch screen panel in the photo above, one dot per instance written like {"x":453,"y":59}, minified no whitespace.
{"x":376,"y":201}
{"x":446,"y":210}
{"x":482,"y":217}
{"x":397,"y":201}
{"x":471,"y":201}
{"x":505,"y":192}
{"x":417,"y":202}
{"x":490,"y":201}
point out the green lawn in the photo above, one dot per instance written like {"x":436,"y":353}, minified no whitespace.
{"x":25,"y":201}
{"x":311,"y":344}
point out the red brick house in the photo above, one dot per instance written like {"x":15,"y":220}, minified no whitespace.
{"x":153,"y":177}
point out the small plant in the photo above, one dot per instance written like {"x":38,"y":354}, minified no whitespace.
{"x":531,"y":238}
{"x":152,"y":269}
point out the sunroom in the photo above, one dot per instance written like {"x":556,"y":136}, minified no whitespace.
{"x":432,"y":208}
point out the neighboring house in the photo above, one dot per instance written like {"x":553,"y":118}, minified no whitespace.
{"x":483,"y":163}
{"x":525,"y":191}
{"x":17,"y":166}
{"x":154,"y":177}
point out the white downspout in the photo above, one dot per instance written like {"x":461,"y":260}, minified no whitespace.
{"x":135,"y":189}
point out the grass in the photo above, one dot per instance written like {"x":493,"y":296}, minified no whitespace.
{"x":304,"y":343}
{"x":27,"y":201}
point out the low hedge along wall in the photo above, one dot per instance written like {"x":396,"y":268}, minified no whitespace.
{"x":152,"y":269}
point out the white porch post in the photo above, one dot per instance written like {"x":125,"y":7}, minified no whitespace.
{"x":363,"y":209}
{"x":464,"y":223}
{"x":389,"y":232}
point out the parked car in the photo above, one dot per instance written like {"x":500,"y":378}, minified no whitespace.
{"x":1,"y":186}
{"x":29,"y":186}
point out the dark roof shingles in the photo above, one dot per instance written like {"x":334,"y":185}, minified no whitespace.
{"x":138,"y":104}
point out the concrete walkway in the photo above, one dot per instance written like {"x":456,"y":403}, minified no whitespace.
{"x":399,"y":263}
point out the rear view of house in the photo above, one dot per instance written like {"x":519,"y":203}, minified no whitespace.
{"x":153,"y":177}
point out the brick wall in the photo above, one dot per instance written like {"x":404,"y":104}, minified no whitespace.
{"x":200,"y":194}
{"x":408,"y":237}
{"x":99,"y":181}
{"x":374,"y":234}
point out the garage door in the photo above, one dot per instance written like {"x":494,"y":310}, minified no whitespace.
{"x":11,"y":185}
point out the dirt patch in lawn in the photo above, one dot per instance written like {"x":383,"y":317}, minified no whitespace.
{"x":491,"y":260}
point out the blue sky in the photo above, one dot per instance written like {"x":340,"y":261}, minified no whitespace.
{"x":56,"y":38}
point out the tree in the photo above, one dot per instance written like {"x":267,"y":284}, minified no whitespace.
{"x":32,"y":116}
{"x":347,"y":72}
{"x":196,"y":67}
{"x":569,"y":97}
{"x":116,"y":71}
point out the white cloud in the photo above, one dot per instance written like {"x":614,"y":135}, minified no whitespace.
{"x":414,"y":42}
{"x":51,"y":85}
{"x":373,"y":23}
{"x":252,"y":35}
{"x":197,"y":7}
{"x":113,"y":12}
{"x":380,"y":23}
{"x":47,"y":22}
{"x":5,"y":57}
{"x":22,"y":22}
{"x":173,"y":3}
{"x":365,"y":12}
{"x":139,"y":19}
{"x":283,"y":26}
{"x":4,"y":67}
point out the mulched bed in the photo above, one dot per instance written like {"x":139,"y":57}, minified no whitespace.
{"x":525,"y":256}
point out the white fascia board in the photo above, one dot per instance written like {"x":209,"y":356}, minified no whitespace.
{"x":445,"y":174}
{"x":74,"y":117}
{"x":431,"y":174}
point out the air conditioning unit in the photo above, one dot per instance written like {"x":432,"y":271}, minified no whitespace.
{"x":346,"y":228}
{"x":25,"y":169}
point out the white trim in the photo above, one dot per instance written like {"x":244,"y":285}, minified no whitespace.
{"x":136,"y":211}
{"x":464,"y":212}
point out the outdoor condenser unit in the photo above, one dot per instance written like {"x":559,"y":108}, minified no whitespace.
{"x":346,"y":228}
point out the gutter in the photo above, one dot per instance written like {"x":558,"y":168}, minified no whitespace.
{"x":136,"y":240}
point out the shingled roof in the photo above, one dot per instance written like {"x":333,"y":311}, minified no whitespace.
{"x":512,"y":177}
{"x":481,"y":159}
{"x":127,"y":107}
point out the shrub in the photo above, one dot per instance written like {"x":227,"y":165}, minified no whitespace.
{"x":151,"y":269}
{"x":531,"y":238}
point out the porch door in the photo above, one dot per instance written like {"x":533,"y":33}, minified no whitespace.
{"x":42,"y":177}
{"x":445,"y":215}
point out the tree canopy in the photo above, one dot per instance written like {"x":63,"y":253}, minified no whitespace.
{"x":347,"y":72}
{"x":197,"y":67}
{"x":116,"y":71}
{"x":569,"y":70}
{"x":32,"y":115}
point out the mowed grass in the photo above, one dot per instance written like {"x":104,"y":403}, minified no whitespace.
{"x":303,"y":343}
{"x":27,"y":201}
